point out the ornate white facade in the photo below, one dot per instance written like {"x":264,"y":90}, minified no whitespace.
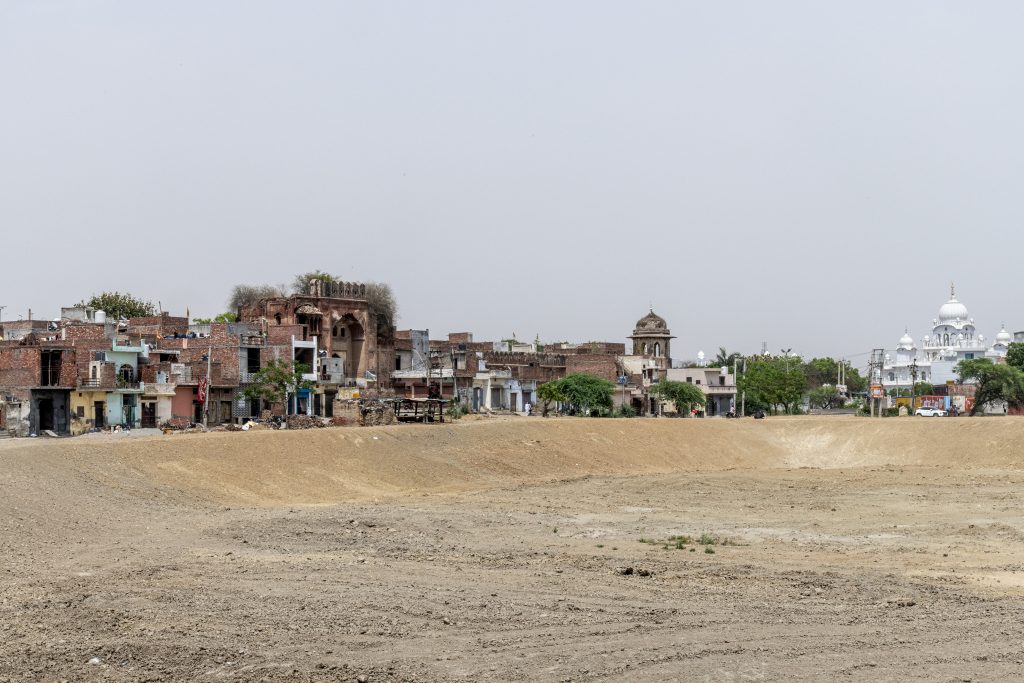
{"x":953,"y":338}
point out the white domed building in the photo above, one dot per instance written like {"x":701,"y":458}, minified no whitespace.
{"x":953,"y":338}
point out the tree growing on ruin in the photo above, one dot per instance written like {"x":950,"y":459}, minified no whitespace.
{"x":300,"y":284}
{"x":275,"y":380}
{"x":382,"y":304}
{"x":118,"y":305}
{"x":683,"y":395}
{"x":380,"y":299}
{"x":219,"y":318}
{"x":247,"y":296}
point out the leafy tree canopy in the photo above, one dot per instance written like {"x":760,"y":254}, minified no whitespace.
{"x":924,"y":389}
{"x":682,"y":394}
{"x":825,"y":371}
{"x":219,"y":318}
{"x":548,"y":393}
{"x":777,"y":382}
{"x":1015,"y":355}
{"x":586,"y":392}
{"x":118,"y":305}
{"x":825,"y":397}
{"x":1002,"y":382}
{"x":300,"y":285}
{"x":724,"y":358}
{"x":276,"y":380}
{"x":246,"y":296}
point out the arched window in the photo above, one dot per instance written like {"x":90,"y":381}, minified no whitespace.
{"x":657,"y":349}
{"x":945,"y":339}
{"x":127,"y":374}
{"x":277,"y":317}
{"x":643,"y":348}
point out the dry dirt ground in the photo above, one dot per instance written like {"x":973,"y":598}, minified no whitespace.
{"x":834,"y":548}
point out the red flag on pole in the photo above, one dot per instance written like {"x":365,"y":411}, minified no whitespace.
{"x":202,"y":390}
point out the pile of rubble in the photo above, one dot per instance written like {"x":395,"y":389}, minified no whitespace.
{"x":373,"y":413}
{"x":304,"y":422}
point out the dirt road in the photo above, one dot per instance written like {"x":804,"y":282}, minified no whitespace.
{"x":799,"y":549}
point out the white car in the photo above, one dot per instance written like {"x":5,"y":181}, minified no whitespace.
{"x":930,"y":412}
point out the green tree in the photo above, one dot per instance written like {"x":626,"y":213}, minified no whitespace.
{"x":995,"y":382}
{"x":247,"y":296}
{"x":683,"y":395}
{"x":384,"y":306}
{"x":219,"y":318}
{"x":924,"y":389}
{"x":1015,"y":355}
{"x":825,"y":371}
{"x":300,"y":284}
{"x":276,"y":380}
{"x":724,"y":358}
{"x":585,"y":392}
{"x":548,"y":393}
{"x":825,"y":397}
{"x":118,"y":305}
{"x":773,"y":383}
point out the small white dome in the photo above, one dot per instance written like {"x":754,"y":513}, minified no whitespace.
{"x":1004,"y":337}
{"x":906,"y":341}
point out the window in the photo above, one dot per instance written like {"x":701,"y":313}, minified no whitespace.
{"x":690,"y":380}
{"x":50,"y":368}
{"x":698,"y":381}
{"x":252,"y":360}
{"x":721,"y":380}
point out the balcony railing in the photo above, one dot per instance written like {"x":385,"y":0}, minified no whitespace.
{"x":90,"y":383}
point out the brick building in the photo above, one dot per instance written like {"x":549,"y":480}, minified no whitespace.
{"x":333,"y":330}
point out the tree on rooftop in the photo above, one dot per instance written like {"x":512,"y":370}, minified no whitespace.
{"x":247,"y":296}
{"x":300,"y":285}
{"x":382,"y":304}
{"x":219,"y":318}
{"x":118,"y":305}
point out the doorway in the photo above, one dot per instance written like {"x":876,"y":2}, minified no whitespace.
{"x":98,"y":420}
{"x":45,"y":408}
{"x":149,"y":415}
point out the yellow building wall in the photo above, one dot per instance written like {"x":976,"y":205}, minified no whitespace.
{"x":85,"y":400}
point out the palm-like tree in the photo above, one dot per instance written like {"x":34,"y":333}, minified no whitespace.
{"x":724,"y":358}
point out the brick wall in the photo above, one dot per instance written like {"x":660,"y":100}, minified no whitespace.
{"x":156,"y":326}
{"x":603,"y":366}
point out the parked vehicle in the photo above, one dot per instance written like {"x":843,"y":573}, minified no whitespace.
{"x":930,"y":412}
{"x":759,"y":415}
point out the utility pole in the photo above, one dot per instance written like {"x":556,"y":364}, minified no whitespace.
{"x":206,"y":402}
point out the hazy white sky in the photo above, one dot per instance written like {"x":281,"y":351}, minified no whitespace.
{"x":808,"y":174}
